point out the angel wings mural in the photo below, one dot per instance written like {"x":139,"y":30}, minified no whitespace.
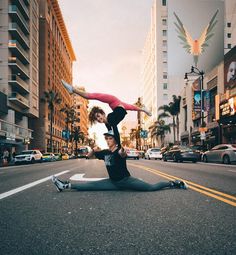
{"x":197,"y":46}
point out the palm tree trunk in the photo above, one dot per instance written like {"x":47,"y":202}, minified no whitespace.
{"x":174,"y":128}
{"x":51,"y":121}
{"x":177,"y":126}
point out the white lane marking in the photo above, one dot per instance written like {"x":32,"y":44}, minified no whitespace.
{"x":79,"y":177}
{"x":29,"y":185}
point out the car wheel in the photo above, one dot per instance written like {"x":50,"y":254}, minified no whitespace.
{"x":226,"y":159}
{"x":175,"y":158}
{"x":137,"y":158}
{"x":41,"y":160}
{"x":148,"y":158}
{"x":165,"y":159}
{"x":204,"y":159}
{"x":194,"y":161}
{"x":32,"y":161}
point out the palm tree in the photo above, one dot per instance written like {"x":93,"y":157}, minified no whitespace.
{"x":52,"y":99}
{"x":71,"y":118}
{"x":172,"y":110}
{"x":159,"y":129}
{"x":168,"y":111}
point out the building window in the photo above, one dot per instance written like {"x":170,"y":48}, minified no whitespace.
{"x":164,"y":32}
{"x":229,"y":46}
{"x":228,"y":24}
{"x":164,"y":85}
{"x":164,"y":43}
{"x":229,"y":35}
{"x":165,"y":96}
{"x":164,"y":75}
{"x":163,"y":2}
{"x":164,"y":22}
{"x":164,"y":54}
{"x":185,"y":118}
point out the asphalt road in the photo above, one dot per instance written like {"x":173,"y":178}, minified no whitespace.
{"x":36,"y":219}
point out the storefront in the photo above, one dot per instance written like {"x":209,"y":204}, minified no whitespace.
{"x":228,"y":120}
{"x":185,"y":138}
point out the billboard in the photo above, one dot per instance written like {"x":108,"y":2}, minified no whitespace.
{"x":230,"y":70}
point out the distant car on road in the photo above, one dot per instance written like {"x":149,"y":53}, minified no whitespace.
{"x":181,"y":153}
{"x":48,"y":157}
{"x":83,"y":151}
{"x":153,"y":153}
{"x":132,"y":153}
{"x":29,"y":156}
{"x":222,"y":153}
{"x":65,"y":156}
{"x":57,"y":156}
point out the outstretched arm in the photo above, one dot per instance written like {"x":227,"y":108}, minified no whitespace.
{"x":92,"y":152}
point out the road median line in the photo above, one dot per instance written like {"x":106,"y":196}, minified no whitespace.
{"x":194,"y":186}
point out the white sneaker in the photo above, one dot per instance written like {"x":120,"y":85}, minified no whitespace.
{"x":146,"y":111}
{"x":68,"y":87}
{"x":60,"y":184}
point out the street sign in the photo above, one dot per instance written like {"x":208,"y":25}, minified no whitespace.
{"x":143,"y":133}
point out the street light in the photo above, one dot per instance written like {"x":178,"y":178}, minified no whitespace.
{"x":196,"y":71}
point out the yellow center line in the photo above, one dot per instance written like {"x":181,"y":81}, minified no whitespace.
{"x":192,"y":185}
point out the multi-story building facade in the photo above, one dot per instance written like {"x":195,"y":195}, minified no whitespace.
{"x":220,"y":114}
{"x":56,"y":59}
{"x":81,"y":109}
{"x":165,"y":61}
{"x":19,"y":72}
{"x":230,"y":28}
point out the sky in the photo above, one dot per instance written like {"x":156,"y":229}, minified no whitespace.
{"x":108,"y":37}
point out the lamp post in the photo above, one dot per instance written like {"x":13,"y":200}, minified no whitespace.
{"x":196,"y":71}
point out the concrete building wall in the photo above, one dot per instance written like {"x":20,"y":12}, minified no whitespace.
{"x":56,"y":58}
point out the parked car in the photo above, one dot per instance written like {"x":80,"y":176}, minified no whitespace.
{"x":64,"y":156}
{"x":48,"y":157}
{"x":72,"y":156}
{"x":180,"y":154}
{"x":153,"y":153}
{"x":223,"y":153}
{"x":141,"y":154}
{"x":57,"y":156}
{"x":83,"y":151}
{"x":132,"y":153}
{"x":29,"y":156}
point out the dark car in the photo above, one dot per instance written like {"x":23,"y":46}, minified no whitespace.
{"x":180,"y":154}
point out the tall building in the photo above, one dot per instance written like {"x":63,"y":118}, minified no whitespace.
{"x":55,"y":63}
{"x":19,"y":72}
{"x":230,"y":28}
{"x":81,"y":108}
{"x":165,"y":61}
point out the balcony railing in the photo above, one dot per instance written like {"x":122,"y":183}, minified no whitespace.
{"x":16,"y":81}
{"x":13,"y":9}
{"x":19,"y":99}
{"x":13,"y":61}
{"x":22,"y":5}
{"x":13,"y":44}
{"x":14,"y":27}
{"x":18,"y":131}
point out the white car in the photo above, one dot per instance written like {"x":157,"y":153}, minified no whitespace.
{"x":153,"y":153}
{"x":132,"y":153}
{"x":222,"y":153}
{"x":29,"y":156}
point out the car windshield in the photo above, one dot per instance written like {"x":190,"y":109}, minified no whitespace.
{"x":46,"y":154}
{"x":83,"y":150}
{"x":155,"y":150}
{"x":26,"y":152}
